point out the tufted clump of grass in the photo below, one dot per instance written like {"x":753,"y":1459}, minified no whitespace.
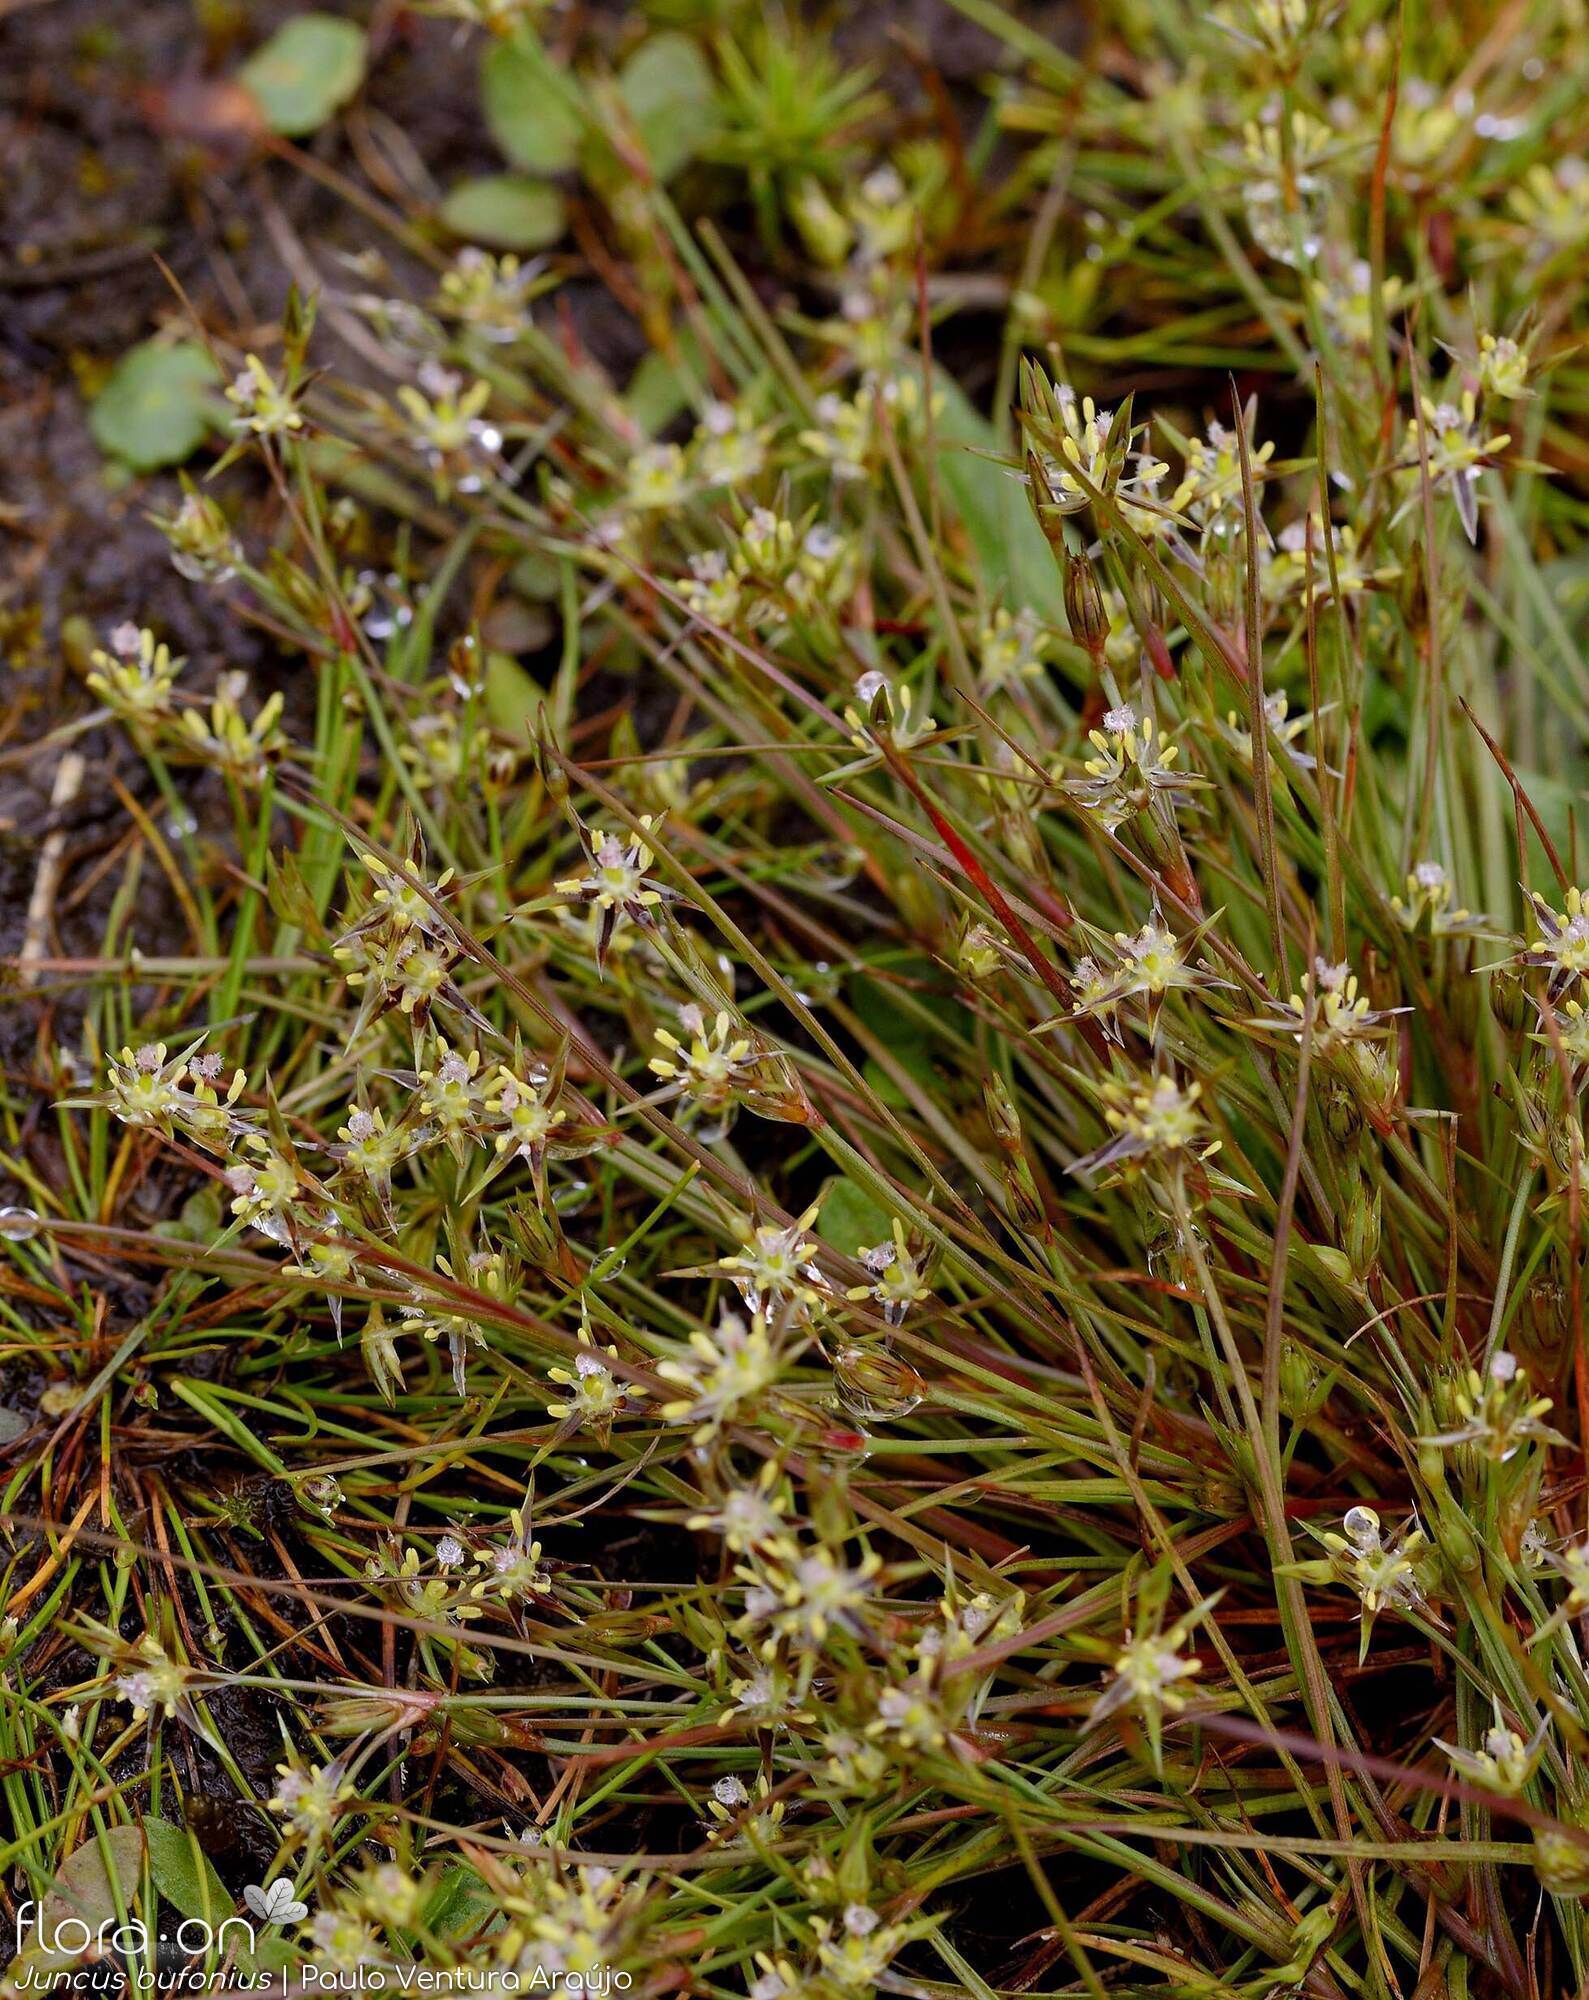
{"x":848,"y":1254}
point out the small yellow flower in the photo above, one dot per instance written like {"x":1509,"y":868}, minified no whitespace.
{"x":137,"y":678}
{"x":264,"y":406}
{"x":310,"y":1796}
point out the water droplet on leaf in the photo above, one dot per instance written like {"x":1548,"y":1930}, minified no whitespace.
{"x":875,"y":1386}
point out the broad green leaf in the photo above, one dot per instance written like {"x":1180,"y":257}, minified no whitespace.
{"x":850,"y":1220}
{"x":511,"y":695}
{"x":276,"y":1955}
{"x":905,"y":1005}
{"x":183,"y":1874}
{"x":536,"y":575}
{"x":87,"y":1880}
{"x":308,"y":69}
{"x":197,"y":1221}
{"x":908,"y":1050}
{"x":83,"y":1891}
{"x":460,"y":1903}
{"x":668,"y":91}
{"x":527,"y":106}
{"x":508,"y":211}
{"x":882,"y":1085}
{"x":897,"y":1021}
{"x":1011,"y":550}
{"x":659,"y":389}
{"x":656,"y":394}
{"x":157,"y":407}
{"x":1556,"y":801}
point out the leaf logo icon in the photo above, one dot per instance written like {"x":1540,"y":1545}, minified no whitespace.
{"x":275,"y":1903}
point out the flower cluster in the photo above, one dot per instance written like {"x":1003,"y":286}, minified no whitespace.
{"x":1133,"y":766}
{"x":1386,"y":1575}
{"x":1154,"y":1121}
{"x":724,"y":1065}
{"x":176,"y":1094}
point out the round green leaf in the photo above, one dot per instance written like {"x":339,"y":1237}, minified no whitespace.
{"x":528,"y":112}
{"x":668,"y":89}
{"x":157,"y":405}
{"x":308,"y":69}
{"x":508,"y":211}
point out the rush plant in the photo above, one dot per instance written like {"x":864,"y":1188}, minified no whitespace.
{"x":842,"y":1249}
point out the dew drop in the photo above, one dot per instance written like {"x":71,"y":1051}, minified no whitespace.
{"x":876,"y":1387}
{"x":18,"y":1225}
{"x":319,"y":1492}
{"x":1362,"y":1527}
